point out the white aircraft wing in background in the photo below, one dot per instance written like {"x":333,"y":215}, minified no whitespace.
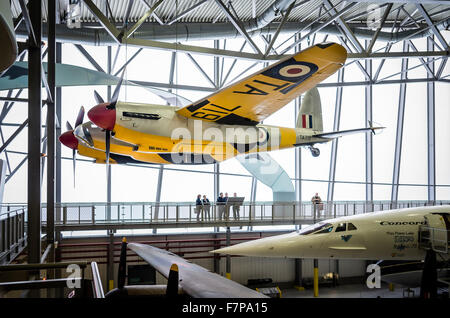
{"x":195,"y":280}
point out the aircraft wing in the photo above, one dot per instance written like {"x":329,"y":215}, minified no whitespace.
{"x":70,"y":75}
{"x":251,"y":100}
{"x":195,"y":280}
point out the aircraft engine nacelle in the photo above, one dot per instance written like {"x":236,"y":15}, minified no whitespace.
{"x":8,"y":53}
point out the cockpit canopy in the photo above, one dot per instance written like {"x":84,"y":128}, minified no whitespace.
{"x":324,"y":227}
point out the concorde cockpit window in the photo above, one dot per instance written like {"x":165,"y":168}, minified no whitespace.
{"x":326,"y":229}
{"x":316,"y":228}
{"x":351,"y":227}
{"x":341,"y":227}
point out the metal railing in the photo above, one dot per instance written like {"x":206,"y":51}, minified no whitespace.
{"x":79,"y":282}
{"x":12,"y":233}
{"x":173,"y":213}
{"x":434,"y":238}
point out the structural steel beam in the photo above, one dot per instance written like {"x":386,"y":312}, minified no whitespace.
{"x":201,"y":70}
{"x":14,"y":135}
{"x":347,"y":31}
{"x":187,"y":11}
{"x":89,"y":58}
{"x":34,"y":135}
{"x":399,"y":134}
{"x":334,"y":143}
{"x":104,"y":21}
{"x":51,"y":132}
{"x":333,"y":18}
{"x":238,"y":25}
{"x":381,"y":23}
{"x":277,"y":32}
{"x":157,"y":18}
{"x":434,"y":29}
{"x":431,"y":144}
{"x":142,"y":19}
{"x":369,"y":136}
{"x":58,"y":113}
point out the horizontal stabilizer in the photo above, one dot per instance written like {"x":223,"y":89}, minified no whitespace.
{"x":337,"y":134}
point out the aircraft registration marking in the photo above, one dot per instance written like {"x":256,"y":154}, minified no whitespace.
{"x":219,"y":111}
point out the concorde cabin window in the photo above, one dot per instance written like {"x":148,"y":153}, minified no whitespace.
{"x":351,"y":227}
{"x":341,"y":227}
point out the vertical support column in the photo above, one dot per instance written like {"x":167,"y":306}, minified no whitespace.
{"x":369,"y":137}
{"x":298,"y":274}
{"x":110,"y":265}
{"x":431,"y":128}
{"x":216,"y":165}
{"x":51,"y":143}
{"x":108,"y":181}
{"x":228,"y":257}
{"x":298,"y":150}
{"x":158,"y":195}
{"x":57,"y":99}
{"x":298,"y":160}
{"x":336,"y":272}
{"x":216,"y":255}
{"x":316,"y":277}
{"x":34,"y":135}
{"x":334,"y":145}
{"x":252,"y":209}
{"x":399,"y":134}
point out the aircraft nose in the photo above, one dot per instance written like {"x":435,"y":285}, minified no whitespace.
{"x":103,"y":117}
{"x":69,"y":140}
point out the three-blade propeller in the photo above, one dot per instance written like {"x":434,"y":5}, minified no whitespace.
{"x":68,"y":138}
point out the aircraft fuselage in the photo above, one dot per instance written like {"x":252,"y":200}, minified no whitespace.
{"x":377,"y":235}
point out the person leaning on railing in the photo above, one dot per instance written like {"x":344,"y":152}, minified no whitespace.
{"x":198,"y":207}
{"x":317,"y":202}
{"x":206,"y":207}
{"x":221,"y":201}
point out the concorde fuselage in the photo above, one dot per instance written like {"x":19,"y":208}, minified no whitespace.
{"x":378,"y":235}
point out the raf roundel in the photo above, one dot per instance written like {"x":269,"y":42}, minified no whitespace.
{"x":294,"y":70}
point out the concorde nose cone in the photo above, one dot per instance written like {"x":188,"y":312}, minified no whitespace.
{"x":274,"y":246}
{"x":69,"y":140}
{"x":103,"y":117}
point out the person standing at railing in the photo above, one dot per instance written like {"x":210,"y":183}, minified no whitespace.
{"x":236,"y":209}
{"x":221,"y":201}
{"x":227,"y":207}
{"x":206,"y":207}
{"x":199,"y":207}
{"x":317,"y":203}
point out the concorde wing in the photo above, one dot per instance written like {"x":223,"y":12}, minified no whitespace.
{"x":256,"y":97}
{"x":195,"y":280}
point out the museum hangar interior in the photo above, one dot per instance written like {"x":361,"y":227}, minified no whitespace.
{"x":353,"y":120}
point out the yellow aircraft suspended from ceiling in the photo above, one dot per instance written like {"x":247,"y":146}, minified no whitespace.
{"x":219,"y":126}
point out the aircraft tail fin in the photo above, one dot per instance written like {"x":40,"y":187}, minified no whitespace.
{"x":310,"y":115}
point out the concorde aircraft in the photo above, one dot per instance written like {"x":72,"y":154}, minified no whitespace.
{"x":219,"y":126}
{"x":385,"y":235}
